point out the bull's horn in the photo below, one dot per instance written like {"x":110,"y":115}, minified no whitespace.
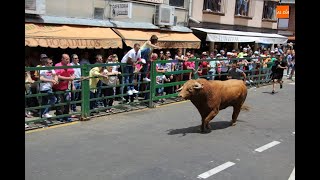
{"x":179,"y":89}
{"x":197,"y":85}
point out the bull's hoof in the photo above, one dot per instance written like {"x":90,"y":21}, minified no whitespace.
{"x":233,"y":124}
{"x":208,"y":127}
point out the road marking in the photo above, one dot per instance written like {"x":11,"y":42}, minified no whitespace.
{"x":293,"y":174}
{"x":267,"y":146}
{"x":215,"y":170}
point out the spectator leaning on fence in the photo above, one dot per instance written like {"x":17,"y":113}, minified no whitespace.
{"x":130,"y":59}
{"x":212,"y":65}
{"x":109,"y":81}
{"x":48,"y":78}
{"x":236,"y":73}
{"x":99,"y":60}
{"x":203,"y":66}
{"x":65,"y":77}
{"x":94,"y":75}
{"x":77,"y":84}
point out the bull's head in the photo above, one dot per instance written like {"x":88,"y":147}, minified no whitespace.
{"x":189,"y":89}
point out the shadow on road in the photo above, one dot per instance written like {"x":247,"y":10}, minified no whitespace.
{"x":196,"y":129}
{"x":270,"y":92}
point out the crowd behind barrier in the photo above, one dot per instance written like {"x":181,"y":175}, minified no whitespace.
{"x":68,"y":92}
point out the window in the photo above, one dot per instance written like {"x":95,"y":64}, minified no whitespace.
{"x":30,"y":5}
{"x":269,"y":10}
{"x":178,"y":3}
{"x":242,"y":7}
{"x":98,"y":13}
{"x":283,"y":23}
{"x":213,"y":6}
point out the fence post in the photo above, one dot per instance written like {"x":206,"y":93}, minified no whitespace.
{"x":85,"y":93}
{"x":196,"y":66}
{"x":260,"y":69}
{"x":152,"y":83}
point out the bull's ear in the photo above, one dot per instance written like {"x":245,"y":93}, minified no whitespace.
{"x":197,"y":85}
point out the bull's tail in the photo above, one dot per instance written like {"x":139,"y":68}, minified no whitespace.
{"x":245,"y":107}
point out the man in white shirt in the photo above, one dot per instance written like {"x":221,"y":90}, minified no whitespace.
{"x":77,"y":83}
{"x":131,"y":59}
{"x":47,"y":78}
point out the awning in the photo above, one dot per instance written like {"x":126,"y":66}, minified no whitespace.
{"x":292,"y":38}
{"x":165,"y":39}
{"x":215,"y":35}
{"x":61,"y":36}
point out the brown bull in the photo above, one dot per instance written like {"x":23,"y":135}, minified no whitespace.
{"x":211,"y":96}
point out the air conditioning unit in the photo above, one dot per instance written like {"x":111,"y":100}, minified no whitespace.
{"x":164,"y":15}
{"x":35,"y":7}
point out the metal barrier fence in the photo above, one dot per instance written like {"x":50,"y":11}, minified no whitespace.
{"x":148,"y":96}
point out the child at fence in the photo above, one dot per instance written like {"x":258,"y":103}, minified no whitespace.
{"x":160,"y":80}
{"x":146,"y":52}
{"x":110,"y":81}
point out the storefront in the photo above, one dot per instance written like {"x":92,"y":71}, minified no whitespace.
{"x":55,"y":39}
{"x":166,"y":39}
{"x":69,"y":39}
{"x":238,"y":38}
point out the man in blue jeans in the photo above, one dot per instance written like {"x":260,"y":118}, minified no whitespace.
{"x":131,"y":59}
{"x":48,"y":78}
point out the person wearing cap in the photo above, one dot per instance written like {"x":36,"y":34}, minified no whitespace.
{"x":277,"y":71}
{"x":42,"y":63}
{"x":203,"y":65}
{"x":223,"y":53}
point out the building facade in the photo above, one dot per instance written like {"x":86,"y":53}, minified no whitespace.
{"x":286,"y":27}
{"x":235,"y":22}
{"x":168,"y":19}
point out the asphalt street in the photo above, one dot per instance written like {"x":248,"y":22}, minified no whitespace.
{"x":165,"y":144}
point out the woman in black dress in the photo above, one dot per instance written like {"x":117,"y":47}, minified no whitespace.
{"x":277,"y":71}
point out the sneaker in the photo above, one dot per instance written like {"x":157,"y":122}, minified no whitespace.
{"x":47,"y":115}
{"x":146,"y":79}
{"x":26,"y":125}
{"x":68,"y":119}
{"x":130,"y":92}
{"x":134,"y":91}
{"x":272,"y":92}
{"x":280,"y":86}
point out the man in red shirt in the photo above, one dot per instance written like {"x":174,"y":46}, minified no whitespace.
{"x":65,"y":77}
{"x":203,"y":66}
